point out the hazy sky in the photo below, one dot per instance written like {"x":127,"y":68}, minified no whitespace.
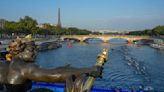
{"x":89,"y":14}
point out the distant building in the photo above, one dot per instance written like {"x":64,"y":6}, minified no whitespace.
{"x":40,"y":25}
{"x":43,"y":25}
{"x":113,"y":31}
{"x":2,"y":23}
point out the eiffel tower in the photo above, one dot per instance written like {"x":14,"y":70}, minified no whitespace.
{"x":59,"y":21}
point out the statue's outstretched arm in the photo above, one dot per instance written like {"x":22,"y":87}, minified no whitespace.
{"x":35,"y":73}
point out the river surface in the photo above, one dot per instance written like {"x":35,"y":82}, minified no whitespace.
{"x":129,"y":66}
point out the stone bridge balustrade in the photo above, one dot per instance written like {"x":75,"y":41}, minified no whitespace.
{"x":106,"y":38}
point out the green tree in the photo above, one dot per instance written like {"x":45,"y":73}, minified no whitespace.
{"x":28,"y":25}
{"x":159,"y":30}
{"x":11,"y":27}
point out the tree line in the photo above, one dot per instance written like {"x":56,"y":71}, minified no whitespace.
{"x":28,"y":25}
{"x":157,"y":31}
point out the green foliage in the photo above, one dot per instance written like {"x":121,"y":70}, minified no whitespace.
{"x":159,"y":30}
{"x":96,"y":33}
{"x":76,"y":31}
{"x":28,"y":25}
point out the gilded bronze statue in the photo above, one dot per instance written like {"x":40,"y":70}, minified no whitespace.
{"x":16,"y":75}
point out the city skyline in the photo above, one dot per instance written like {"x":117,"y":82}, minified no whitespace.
{"x":122,"y":15}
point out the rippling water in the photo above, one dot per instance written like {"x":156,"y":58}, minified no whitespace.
{"x":127,"y":67}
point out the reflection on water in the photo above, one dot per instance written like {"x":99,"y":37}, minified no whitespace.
{"x":127,"y":67}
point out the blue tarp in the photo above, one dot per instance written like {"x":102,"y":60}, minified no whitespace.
{"x":60,"y":88}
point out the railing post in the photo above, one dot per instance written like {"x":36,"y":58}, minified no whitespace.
{"x":101,"y":59}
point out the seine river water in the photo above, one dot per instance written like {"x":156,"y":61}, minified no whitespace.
{"x":129,"y":66}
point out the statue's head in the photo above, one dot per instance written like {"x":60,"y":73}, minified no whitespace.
{"x":23,"y":48}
